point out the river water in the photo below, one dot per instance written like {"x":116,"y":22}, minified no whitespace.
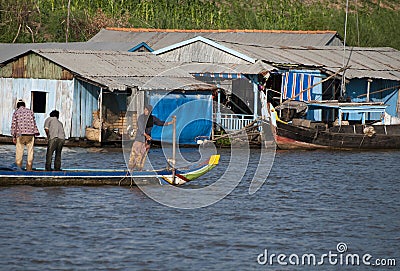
{"x":314,"y":202}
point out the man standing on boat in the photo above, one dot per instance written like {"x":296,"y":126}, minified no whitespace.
{"x":23,"y":131}
{"x":56,"y":138}
{"x":142,"y":142}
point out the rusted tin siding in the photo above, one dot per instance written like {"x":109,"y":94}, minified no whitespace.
{"x":34,"y":66}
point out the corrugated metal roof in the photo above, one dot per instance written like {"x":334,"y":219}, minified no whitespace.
{"x":10,"y":50}
{"x":382,"y":62}
{"x":379,"y":62}
{"x":119,"y":70}
{"x":161,"y":38}
{"x":255,"y":68}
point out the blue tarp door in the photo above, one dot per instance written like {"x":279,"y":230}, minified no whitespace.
{"x":193,"y":116}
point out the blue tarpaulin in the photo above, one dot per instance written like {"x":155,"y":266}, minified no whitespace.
{"x":193,"y":113}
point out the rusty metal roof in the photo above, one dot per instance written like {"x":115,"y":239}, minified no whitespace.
{"x":161,"y":38}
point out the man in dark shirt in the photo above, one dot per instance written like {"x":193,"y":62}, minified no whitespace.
{"x":141,"y":146}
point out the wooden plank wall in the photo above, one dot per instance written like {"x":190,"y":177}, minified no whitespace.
{"x":34,"y":66}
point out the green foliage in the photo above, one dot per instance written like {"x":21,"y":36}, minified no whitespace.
{"x":369,"y":23}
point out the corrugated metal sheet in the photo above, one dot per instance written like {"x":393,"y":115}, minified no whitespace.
{"x":7,"y":99}
{"x":199,"y":52}
{"x":84,"y":103}
{"x":160,"y":38}
{"x":10,"y":50}
{"x":200,"y":49}
{"x":59,"y":96}
{"x":226,"y":68}
{"x":119,"y":70}
{"x":380,"y":62}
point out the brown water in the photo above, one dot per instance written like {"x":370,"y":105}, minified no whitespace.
{"x":311,"y":202}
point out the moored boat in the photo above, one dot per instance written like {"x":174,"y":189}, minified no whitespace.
{"x":361,"y":132}
{"x":92,"y":177}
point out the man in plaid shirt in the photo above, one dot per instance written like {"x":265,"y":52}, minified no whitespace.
{"x":23,"y":131}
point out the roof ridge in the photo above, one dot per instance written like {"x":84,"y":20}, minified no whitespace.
{"x":221,"y":30}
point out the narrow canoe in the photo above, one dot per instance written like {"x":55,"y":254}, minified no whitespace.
{"x":92,"y":177}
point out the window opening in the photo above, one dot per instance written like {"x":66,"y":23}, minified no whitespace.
{"x":39,"y":101}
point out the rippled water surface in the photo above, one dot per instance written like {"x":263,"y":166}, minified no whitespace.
{"x":311,"y":202}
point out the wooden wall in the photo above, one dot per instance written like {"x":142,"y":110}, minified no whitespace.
{"x":34,"y":66}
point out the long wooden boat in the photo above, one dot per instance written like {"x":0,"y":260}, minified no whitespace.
{"x":92,"y":177}
{"x":307,"y":134}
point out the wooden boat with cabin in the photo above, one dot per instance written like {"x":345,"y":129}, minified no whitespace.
{"x":346,"y":132}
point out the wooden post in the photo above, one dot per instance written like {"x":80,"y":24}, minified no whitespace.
{"x":219,"y":106}
{"x":100,"y":113}
{"x":398,"y":104}
{"x":173,"y":148}
{"x":368,"y":88}
{"x":255,"y":101}
{"x":368,"y":99}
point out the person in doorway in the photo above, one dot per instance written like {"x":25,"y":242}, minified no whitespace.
{"x":56,"y":138}
{"x":23,"y":131}
{"x":142,"y":142}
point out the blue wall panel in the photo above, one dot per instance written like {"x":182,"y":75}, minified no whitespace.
{"x":357,"y":88}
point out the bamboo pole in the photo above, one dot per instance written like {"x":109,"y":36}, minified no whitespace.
{"x":378,"y":91}
{"x":67,"y":27}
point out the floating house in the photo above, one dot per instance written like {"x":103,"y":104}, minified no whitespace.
{"x":371,"y":74}
{"x":210,"y":56}
{"x":301,"y":73}
{"x":250,"y":68}
{"x":94,"y":90}
{"x":298,"y":65}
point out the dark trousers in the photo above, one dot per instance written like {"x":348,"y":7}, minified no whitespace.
{"x":54,"y":145}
